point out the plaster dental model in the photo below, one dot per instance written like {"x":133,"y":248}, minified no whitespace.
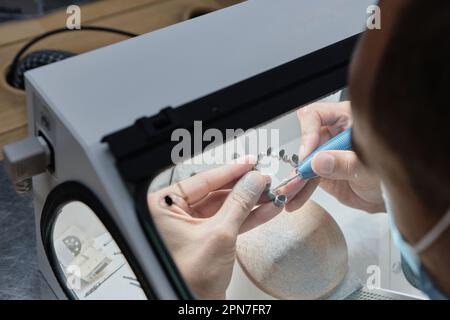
{"x":278,"y":200}
{"x":296,"y":255}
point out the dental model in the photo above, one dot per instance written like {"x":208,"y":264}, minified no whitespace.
{"x":279,"y":200}
{"x":296,"y":255}
{"x":281,"y":156}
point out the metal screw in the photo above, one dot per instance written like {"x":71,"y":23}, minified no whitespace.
{"x":295,"y":159}
{"x":271,"y":195}
{"x":280,"y":200}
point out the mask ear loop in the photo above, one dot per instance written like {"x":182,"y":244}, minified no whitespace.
{"x":433,"y":234}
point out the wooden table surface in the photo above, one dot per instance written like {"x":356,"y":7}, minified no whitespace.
{"x":137,"y":16}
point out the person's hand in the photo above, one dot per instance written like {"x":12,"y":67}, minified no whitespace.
{"x":200,"y":219}
{"x":341,"y":173}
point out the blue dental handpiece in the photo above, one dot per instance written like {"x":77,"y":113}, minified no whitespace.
{"x":342,"y":141}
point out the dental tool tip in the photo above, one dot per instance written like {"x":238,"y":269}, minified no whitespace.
{"x":285,"y":182}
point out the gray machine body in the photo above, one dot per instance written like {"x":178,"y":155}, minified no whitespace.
{"x":78,"y":101}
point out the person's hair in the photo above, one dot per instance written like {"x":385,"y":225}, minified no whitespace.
{"x":410,"y":99}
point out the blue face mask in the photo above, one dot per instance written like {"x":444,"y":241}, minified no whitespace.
{"x":411,"y":253}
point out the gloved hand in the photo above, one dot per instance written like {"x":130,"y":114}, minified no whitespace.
{"x":200,"y":219}
{"x":341,"y":172}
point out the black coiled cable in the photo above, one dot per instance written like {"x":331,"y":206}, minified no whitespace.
{"x":40,"y":58}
